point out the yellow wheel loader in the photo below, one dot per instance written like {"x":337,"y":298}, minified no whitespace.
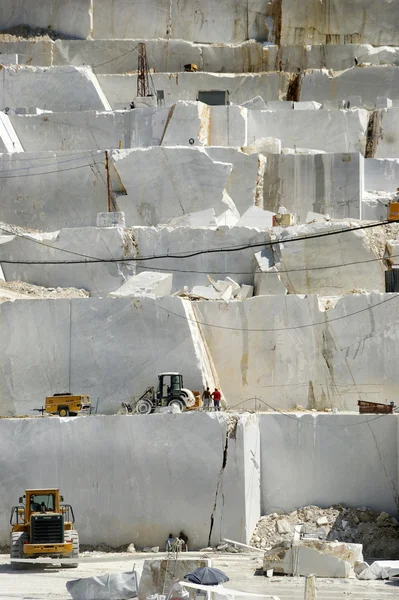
{"x":43,"y":527}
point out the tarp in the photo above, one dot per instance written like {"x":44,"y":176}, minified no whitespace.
{"x":113,"y":586}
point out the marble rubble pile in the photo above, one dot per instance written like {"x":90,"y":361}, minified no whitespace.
{"x":171,"y":204}
{"x":378,"y":533}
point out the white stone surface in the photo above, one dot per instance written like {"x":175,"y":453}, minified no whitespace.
{"x":71,"y":17}
{"x":228,"y":126}
{"x":289,"y":351}
{"x":9,"y":141}
{"x":71,"y":245}
{"x":189,"y":124}
{"x":79,"y":341}
{"x":329,"y":130}
{"x":339,"y":22}
{"x":56,"y":88}
{"x":168,"y":182}
{"x":322,"y":183}
{"x":303,"y":438}
{"x":165,"y":55}
{"x":145,"y":284}
{"x":8,"y":59}
{"x":336,"y":57}
{"x":211,"y":22}
{"x":386,"y":144}
{"x":185,"y":86}
{"x":264,"y":146}
{"x":256,"y":217}
{"x":103,"y":462}
{"x":37,"y":53}
{"x":65,"y":197}
{"x":202,"y":218}
{"x":323,"y":559}
{"x":309,"y":267}
{"x":241,"y":186}
{"x":91,"y":130}
{"x":191,"y":271}
{"x":365,"y":84}
{"x":381,"y":174}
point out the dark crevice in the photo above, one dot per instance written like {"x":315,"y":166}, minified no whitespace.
{"x":231,"y":432}
{"x":374,"y":134}
{"x":294,"y":88}
{"x":274,"y":11}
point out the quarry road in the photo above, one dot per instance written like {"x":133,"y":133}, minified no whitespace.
{"x":48,"y":583}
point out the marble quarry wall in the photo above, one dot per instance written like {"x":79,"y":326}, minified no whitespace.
{"x":365,"y":463}
{"x":233,"y":21}
{"x":338,"y":22}
{"x":292,"y":351}
{"x":330,"y":184}
{"x":67,"y":332}
{"x":235,"y":455}
{"x":332,"y":131}
{"x":169,"y":55}
{"x":220,"y":179}
{"x":265,"y":351}
{"x":58,"y":89}
{"x":187,"y":86}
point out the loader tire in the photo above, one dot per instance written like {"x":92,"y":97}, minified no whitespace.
{"x":74,"y":553}
{"x":16,"y":548}
{"x":143,"y":407}
{"x":179,"y":404}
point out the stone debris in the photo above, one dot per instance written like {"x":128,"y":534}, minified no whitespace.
{"x":307,"y":557}
{"x":18,"y":290}
{"x":377,"y":532}
{"x":219,"y":290}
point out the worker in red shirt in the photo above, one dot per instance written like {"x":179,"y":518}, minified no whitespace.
{"x":216,"y":395}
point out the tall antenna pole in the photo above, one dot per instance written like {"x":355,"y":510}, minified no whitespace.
{"x":143,"y":86}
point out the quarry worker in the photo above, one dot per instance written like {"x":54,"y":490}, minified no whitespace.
{"x":184,"y":541}
{"x":216,"y":395}
{"x":169,"y":543}
{"x":206,"y":398}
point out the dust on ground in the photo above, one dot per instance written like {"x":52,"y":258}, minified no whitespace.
{"x":378,"y":532}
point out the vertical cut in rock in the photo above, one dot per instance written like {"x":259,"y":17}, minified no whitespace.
{"x":374,"y":133}
{"x":294,"y":88}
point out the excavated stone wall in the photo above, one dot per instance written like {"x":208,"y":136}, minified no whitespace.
{"x":216,"y":473}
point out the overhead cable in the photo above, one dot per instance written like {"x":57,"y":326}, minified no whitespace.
{"x":294,"y":328}
{"x":91,"y":259}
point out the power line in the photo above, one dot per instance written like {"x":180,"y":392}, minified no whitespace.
{"x":323,"y":267}
{"x":183,"y":255}
{"x":296,"y":327}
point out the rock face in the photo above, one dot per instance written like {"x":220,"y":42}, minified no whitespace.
{"x":58,"y":89}
{"x":277,"y":345}
{"x":338,"y":22}
{"x":231,"y":510}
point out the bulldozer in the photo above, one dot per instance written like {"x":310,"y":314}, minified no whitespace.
{"x":170,"y":392}
{"x":42,"y":526}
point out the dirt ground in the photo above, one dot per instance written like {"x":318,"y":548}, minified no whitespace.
{"x":38,"y":583}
